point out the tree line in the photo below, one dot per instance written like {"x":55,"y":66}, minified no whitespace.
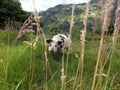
{"x":11,"y":10}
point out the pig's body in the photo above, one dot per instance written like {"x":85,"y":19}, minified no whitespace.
{"x":59,"y":41}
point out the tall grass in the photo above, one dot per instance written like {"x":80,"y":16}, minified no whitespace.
{"x":91,"y":63}
{"x":102,"y":44}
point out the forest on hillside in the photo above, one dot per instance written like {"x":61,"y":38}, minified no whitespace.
{"x":11,"y":12}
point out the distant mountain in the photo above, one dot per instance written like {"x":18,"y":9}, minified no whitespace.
{"x":94,"y":1}
{"x":58,"y":17}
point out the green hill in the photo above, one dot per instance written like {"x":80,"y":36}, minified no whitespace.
{"x":59,"y":16}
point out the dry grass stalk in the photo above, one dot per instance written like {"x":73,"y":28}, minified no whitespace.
{"x":36,"y":17}
{"x":104,"y":75}
{"x":64,"y":72}
{"x":70,"y":33}
{"x":46,"y":58}
{"x":109,"y":8}
{"x":115,"y":76}
{"x":33,"y":43}
{"x":63,"y":77}
{"x":40,"y":31}
{"x":82,"y":38}
{"x":37,"y":20}
{"x":3,"y":67}
{"x":117,"y":24}
{"x":31,"y":73}
{"x":91,"y":49}
{"x":12,"y":25}
{"x":33,"y":21}
{"x":72,"y":20}
{"x":115,"y":36}
{"x":28,"y":25}
{"x":25,"y":28}
{"x":101,"y":48}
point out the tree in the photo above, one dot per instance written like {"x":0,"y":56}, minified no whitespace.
{"x":64,"y":26}
{"x":11,"y":10}
{"x":110,"y":29}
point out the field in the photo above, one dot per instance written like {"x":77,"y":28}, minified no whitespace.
{"x":91,"y":63}
{"x":25,"y":68}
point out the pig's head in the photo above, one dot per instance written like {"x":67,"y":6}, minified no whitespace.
{"x":53,"y":45}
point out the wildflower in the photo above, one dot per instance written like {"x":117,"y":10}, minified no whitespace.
{"x":76,"y":55}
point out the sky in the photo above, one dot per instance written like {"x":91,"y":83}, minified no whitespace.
{"x":42,"y":5}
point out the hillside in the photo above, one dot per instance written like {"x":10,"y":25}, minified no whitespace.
{"x":58,"y":17}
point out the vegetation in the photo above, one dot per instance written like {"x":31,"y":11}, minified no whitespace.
{"x":91,"y":63}
{"x":10,"y":10}
{"x":15,"y":63}
{"x":59,"y":16}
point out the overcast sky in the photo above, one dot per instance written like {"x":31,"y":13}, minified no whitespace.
{"x":42,"y":5}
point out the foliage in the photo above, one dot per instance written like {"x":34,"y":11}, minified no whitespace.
{"x":110,"y":29}
{"x":94,"y":1}
{"x":8,"y":37}
{"x":11,"y":10}
{"x":16,"y":60}
{"x":23,"y":67}
{"x":60,"y":16}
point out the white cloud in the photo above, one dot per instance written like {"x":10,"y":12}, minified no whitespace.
{"x":40,"y":5}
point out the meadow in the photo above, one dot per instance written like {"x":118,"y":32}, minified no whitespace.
{"x":19,"y":64}
{"x":91,"y":63}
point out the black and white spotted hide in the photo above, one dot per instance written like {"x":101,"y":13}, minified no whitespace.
{"x":59,"y":42}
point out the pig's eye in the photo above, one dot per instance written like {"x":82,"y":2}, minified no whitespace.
{"x":55,"y":45}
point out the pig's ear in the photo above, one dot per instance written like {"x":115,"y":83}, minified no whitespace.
{"x":59,"y":42}
{"x":49,"y":41}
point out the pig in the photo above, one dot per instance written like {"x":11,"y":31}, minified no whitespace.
{"x":59,"y":42}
